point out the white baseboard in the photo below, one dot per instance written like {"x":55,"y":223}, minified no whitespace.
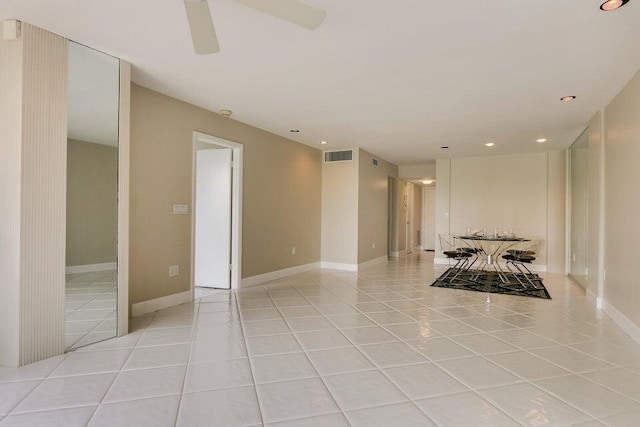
{"x":88,"y":268}
{"x":623,"y":321}
{"x":536,"y":268}
{"x":397,"y":254}
{"x":278,"y":274}
{"x":595,"y":300}
{"x":338,"y":266}
{"x":375,"y":261}
{"x":152,"y":305}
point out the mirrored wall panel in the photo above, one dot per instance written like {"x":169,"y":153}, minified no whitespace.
{"x":92,"y":197}
{"x":579,"y":209}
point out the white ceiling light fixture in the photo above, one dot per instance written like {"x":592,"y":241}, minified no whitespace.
{"x":613,"y":5}
{"x":541,"y":140}
{"x":568,"y":98}
{"x":225,"y":113}
{"x":203,"y":32}
{"x":323,"y":142}
{"x":428,"y":181}
{"x":490,"y":144}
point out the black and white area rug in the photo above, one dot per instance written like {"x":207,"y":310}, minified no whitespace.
{"x":490,"y":281}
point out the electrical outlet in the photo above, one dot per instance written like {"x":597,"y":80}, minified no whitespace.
{"x":293,"y":250}
{"x":174,"y":270}
{"x":373,"y":245}
{"x":180,"y":209}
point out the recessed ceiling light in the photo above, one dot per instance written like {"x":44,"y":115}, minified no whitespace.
{"x":613,"y":4}
{"x":294,"y":130}
{"x":568,"y":98}
{"x":427,"y":181}
{"x":490,"y":144}
{"x":323,"y":142}
{"x":541,"y":140}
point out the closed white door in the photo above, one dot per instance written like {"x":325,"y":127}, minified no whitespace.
{"x":213,"y":218}
{"x":429,"y":218}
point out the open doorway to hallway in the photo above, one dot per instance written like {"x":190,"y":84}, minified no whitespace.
{"x":216,"y":213}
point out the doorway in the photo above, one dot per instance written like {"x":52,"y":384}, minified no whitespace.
{"x":216,"y":226}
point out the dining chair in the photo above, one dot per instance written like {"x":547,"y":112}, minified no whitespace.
{"x":460,"y":254}
{"x":519,"y":258}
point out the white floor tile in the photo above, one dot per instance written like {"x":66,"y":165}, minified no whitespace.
{"x":424,"y":380}
{"x":274,"y":344}
{"x":401,"y":414}
{"x":221,"y":349}
{"x":368,"y":335}
{"x":166,"y":336}
{"x":330,"y":420}
{"x":363,"y":390}
{"x":229,"y":407}
{"x":154,"y":357}
{"x":322,"y":340}
{"x":67,"y":392}
{"x":587,"y":396}
{"x":440,"y":348}
{"x":392,"y":354}
{"x":92,"y":362}
{"x":155,"y":412}
{"x":477,"y":373}
{"x":12,"y":393}
{"x":294,"y":399}
{"x":146,"y":383}
{"x":464,"y":409}
{"x":532,"y":406}
{"x":282,"y":367}
{"x":340,"y":361}
{"x":71,"y":417}
{"x":217,"y":375}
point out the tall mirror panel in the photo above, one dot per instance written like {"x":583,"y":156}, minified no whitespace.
{"x":92,"y":197}
{"x":579,"y":209}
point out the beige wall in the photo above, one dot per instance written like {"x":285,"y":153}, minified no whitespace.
{"x":373,"y":194}
{"x":92,"y":203}
{"x":522,"y":192}
{"x":340,"y":211}
{"x":622,"y":201}
{"x":281,"y":194}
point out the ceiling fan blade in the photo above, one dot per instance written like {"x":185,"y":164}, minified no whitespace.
{"x":290,"y":10}
{"x":203,"y":33}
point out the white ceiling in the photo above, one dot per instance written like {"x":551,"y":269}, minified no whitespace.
{"x":94,"y":92}
{"x":397,"y":78}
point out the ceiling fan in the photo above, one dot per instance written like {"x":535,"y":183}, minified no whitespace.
{"x":203,"y":32}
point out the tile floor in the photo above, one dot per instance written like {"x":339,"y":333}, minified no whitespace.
{"x":331,"y":348}
{"x":90,"y":304}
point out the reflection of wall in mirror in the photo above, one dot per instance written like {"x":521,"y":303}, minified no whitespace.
{"x":92,"y":204}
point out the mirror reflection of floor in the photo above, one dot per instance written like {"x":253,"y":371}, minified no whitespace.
{"x":91,"y":307}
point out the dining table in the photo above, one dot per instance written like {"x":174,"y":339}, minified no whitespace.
{"x":488,"y":249}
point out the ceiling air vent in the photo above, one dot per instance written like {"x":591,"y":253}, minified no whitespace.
{"x":338,"y":156}
{"x":375,"y":162}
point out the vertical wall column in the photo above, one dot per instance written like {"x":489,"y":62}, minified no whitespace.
{"x":33,"y":105}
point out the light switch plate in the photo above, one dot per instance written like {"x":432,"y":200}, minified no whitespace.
{"x":180,"y":209}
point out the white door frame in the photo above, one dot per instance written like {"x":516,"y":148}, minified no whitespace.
{"x":236,"y":205}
